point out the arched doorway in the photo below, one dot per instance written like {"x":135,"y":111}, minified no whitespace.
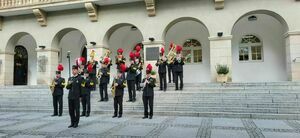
{"x":20,"y":66}
{"x":69,"y":40}
{"x":258,"y":48}
{"x":25,"y":59}
{"x":193,"y":35}
{"x":125,"y":36}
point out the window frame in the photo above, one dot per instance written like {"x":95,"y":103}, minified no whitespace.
{"x":192,"y":49}
{"x":249,"y":45}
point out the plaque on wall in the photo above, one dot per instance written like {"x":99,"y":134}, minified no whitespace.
{"x":152,"y":53}
{"x":42,"y":60}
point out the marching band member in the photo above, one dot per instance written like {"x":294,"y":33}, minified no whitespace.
{"x":80,"y":62}
{"x":178,"y":67}
{"x":87,"y":85}
{"x":131,"y":73}
{"x":162,"y":70}
{"x":74,"y":87}
{"x":148,"y":92}
{"x":170,"y":68}
{"x":103,"y":75}
{"x":118,"y":85}
{"x":94,"y":64}
{"x":58,"y":91}
{"x":138,"y":77}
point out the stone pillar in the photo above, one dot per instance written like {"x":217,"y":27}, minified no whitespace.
{"x":220,"y":53}
{"x":293,"y":55}
{"x":47,"y":65}
{"x":6,"y":68}
{"x":151,"y":54}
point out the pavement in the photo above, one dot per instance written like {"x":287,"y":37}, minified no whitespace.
{"x":42,"y":125}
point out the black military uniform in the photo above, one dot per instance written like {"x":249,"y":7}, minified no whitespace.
{"x":104,"y":80}
{"x":131,"y":78}
{"x":74,"y":87}
{"x":148,"y":96}
{"x":118,"y":96}
{"x":120,"y":59}
{"x":58,"y":94}
{"x":178,"y":70}
{"x":171,"y":73}
{"x":87,"y":85}
{"x":138,"y":77}
{"x":93,"y":73}
{"x":162,"y":70}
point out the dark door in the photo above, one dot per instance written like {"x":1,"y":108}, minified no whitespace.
{"x":20,"y":66}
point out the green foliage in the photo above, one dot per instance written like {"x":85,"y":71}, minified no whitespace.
{"x":153,"y":72}
{"x":222,"y":69}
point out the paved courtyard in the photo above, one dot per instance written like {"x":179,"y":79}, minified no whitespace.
{"x":40,"y":125}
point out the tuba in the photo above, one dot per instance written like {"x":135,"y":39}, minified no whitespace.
{"x":171,"y":55}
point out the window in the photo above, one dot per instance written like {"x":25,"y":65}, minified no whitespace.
{"x":250,"y":49}
{"x":194,"y":48}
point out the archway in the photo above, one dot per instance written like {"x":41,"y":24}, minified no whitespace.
{"x":25,"y":59}
{"x":69,"y":40}
{"x":124,"y":36}
{"x":258,"y":48}
{"x":193,"y":35}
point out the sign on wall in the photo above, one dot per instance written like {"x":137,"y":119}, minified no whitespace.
{"x":42,"y":60}
{"x":152,"y":53}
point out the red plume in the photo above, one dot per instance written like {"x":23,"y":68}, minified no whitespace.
{"x":106,"y":60}
{"x":149,"y":67}
{"x":171,"y":45}
{"x":138,"y":48}
{"x":82,"y":59}
{"x":60,"y":67}
{"x":90,"y":68}
{"x":131,"y":55}
{"x":123,"y":68}
{"x":137,"y":54}
{"x":120,"y":50}
{"x":162,"y":50}
{"x":178,"y":48}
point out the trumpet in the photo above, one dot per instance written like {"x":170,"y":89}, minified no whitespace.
{"x":171,"y":55}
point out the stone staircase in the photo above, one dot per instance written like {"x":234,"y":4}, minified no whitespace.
{"x":273,"y":100}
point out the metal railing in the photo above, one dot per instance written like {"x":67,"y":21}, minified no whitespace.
{"x":6,"y":4}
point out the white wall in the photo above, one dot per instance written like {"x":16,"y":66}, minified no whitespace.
{"x":273,"y":66}
{"x":179,"y":33}
{"x":29,"y":43}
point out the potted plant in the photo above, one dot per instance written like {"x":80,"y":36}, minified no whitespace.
{"x":222,"y":71}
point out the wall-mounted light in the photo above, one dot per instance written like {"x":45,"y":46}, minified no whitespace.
{"x":133,"y":28}
{"x":252,"y":18}
{"x":42,"y":47}
{"x":220,"y":34}
{"x":93,"y":43}
{"x":151,"y":39}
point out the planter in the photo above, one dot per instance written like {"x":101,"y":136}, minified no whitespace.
{"x":222,"y":78}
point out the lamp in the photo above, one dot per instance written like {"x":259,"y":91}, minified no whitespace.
{"x":42,"y":47}
{"x":220,"y":34}
{"x":151,"y":39}
{"x":93,"y":43}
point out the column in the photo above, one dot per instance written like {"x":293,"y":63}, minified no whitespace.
{"x":220,"y":53}
{"x":47,"y":65}
{"x":293,"y":55}
{"x":6,"y":68}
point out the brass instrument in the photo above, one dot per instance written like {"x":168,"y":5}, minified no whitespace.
{"x":171,"y":55}
{"x":113,"y":88}
{"x":52,"y":85}
{"x":106,"y":54}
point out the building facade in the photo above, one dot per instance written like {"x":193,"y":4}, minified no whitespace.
{"x":258,"y":39}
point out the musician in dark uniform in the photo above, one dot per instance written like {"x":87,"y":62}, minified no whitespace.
{"x":87,"y":85}
{"x":162,"y":70}
{"x":148,"y":92}
{"x":170,"y":66}
{"x":118,"y":85}
{"x":93,"y":63}
{"x":104,"y":74}
{"x":74,"y":87}
{"x":58,"y":91}
{"x":131,"y":73}
{"x":178,"y":68}
{"x":138,"y":77}
{"x":120,"y":59}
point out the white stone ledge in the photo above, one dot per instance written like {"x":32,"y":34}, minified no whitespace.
{"x":216,"y":38}
{"x":289,"y":33}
